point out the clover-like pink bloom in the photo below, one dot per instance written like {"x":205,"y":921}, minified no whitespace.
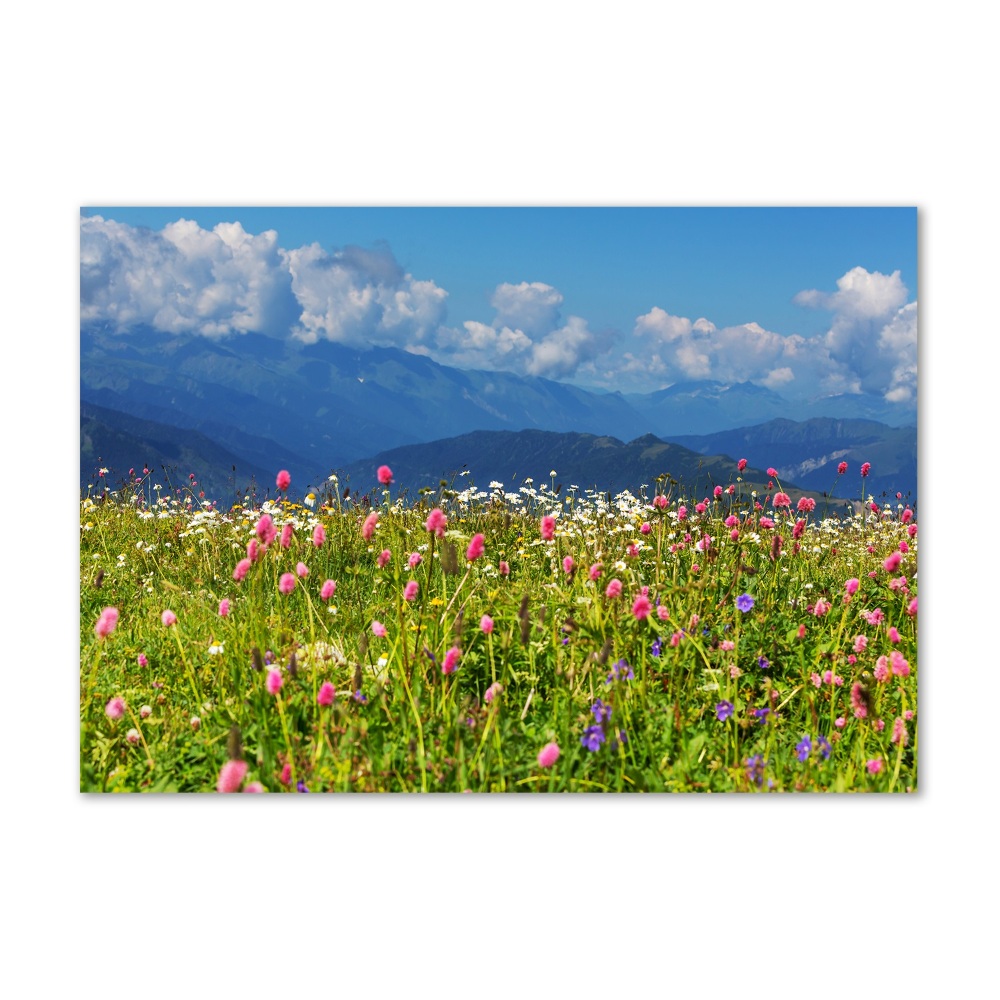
{"x":328,"y":589}
{"x":492,"y":691}
{"x":866,"y":468}
{"x":436,"y":522}
{"x":384,"y":475}
{"x":476,"y":548}
{"x":283,"y":480}
{"x":881,"y":671}
{"x":274,"y":681}
{"x":900,"y":667}
{"x":595,"y":571}
{"x":852,"y":585}
{"x":568,"y":565}
{"x":410,"y":591}
{"x":451,"y":658}
{"x":286,"y":536}
{"x":224,"y":607}
{"x":641,"y":607}
{"x":242,"y":568}
{"x":842,"y":468}
{"x":106,"y":623}
{"x":660,"y":501}
{"x":874,"y":766}
{"x":266,"y":530}
{"x":486,"y":624}
{"x":891,"y":564}
{"x":326,"y":695}
{"x":805,"y":505}
{"x":504,"y":568}
{"x":368,"y":528}
{"x":319,"y":535}
{"x":613,"y":589}
{"x":415,"y":560}
{"x":782,"y":500}
{"x":383,"y":558}
{"x":717,"y":492}
{"x":231,"y":776}
{"x":741,"y":464}
{"x":548,"y":527}
{"x":115,"y":708}
{"x":682,"y":512}
{"x":379,"y":629}
{"x":168,"y":618}
{"x":287,"y":583}
{"x":548,"y":755}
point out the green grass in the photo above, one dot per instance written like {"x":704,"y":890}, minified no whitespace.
{"x":398,"y":723}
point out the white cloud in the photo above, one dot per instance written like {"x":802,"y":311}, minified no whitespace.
{"x":532,"y":307}
{"x":871,"y":345}
{"x":183,"y":279}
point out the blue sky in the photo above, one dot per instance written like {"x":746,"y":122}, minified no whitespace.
{"x":589,"y":295}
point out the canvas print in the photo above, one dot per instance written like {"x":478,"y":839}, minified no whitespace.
{"x":500,"y":499}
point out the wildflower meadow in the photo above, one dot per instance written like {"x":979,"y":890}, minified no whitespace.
{"x":480,"y":640}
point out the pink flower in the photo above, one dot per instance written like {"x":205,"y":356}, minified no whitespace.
{"x":415,"y":560}
{"x":641,"y":607}
{"x":195,"y":723}
{"x":451,"y":659}
{"x":319,"y":535}
{"x":486,"y":624}
{"x":141,"y":660}
{"x":781,"y":500}
{"x":328,"y":589}
{"x":899,"y":733}
{"x":662,"y":613}
{"x":224,"y":607}
{"x":231,"y":776}
{"x":253,"y":786}
{"x":816,"y":679}
{"x":660,"y":501}
{"x":253,"y":550}
{"x":548,"y":755}
{"x":805,"y":505}
{"x":700,"y":508}
{"x":613,"y":589}
{"x":384,"y":475}
{"x":911,"y":609}
{"x":773,"y":473}
{"x":242,"y":568}
{"x":857,"y":701}
{"x":286,"y":536}
{"x":106,"y":623}
{"x":379,"y":629}
{"x":595,"y":571}
{"x":301,"y":569}
{"x":168,"y":618}
{"x":646,"y":527}
{"x":682,"y":512}
{"x":874,"y":766}
{"x":410,"y":591}
{"x":436,"y":522}
{"x":893,"y":634}
{"x":900,"y":667}
{"x":891,"y":564}
{"x":866,"y":468}
{"x":287,"y":583}
{"x":842,"y":468}
{"x":383,"y":558}
{"x":632,"y":551}
{"x":881,"y":671}
{"x":132,"y":737}
{"x":504,"y":569}
{"x":274,"y":681}
{"x":799,"y":530}
{"x":906,"y":516}
{"x":840,"y":722}
{"x":326,"y":694}
{"x":548,"y":528}
{"x":145,"y":712}
{"x":286,"y":775}
{"x":266,"y":530}
{"x":852,"y":585}
{"x":115,"y":708}
{"x":476,"y":548}
{"x":283,"y":480}
{"x":860,"y":643}
{"x":368,"y":528}
{"x":741,"y":464}
{"x":492,"y":691}
{"x":717,"y":492}
{"x":821,"y":608}
{"x":568,"y":565}
{"x":766,"y":522}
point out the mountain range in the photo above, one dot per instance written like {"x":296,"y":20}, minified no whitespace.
{"x":262,"y":404}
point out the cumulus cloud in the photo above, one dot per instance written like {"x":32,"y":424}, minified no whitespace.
{"x":871,"y":345}
{"x":184,"y":279}
{"x":362,"y":298}
{"x":532,"y":307}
